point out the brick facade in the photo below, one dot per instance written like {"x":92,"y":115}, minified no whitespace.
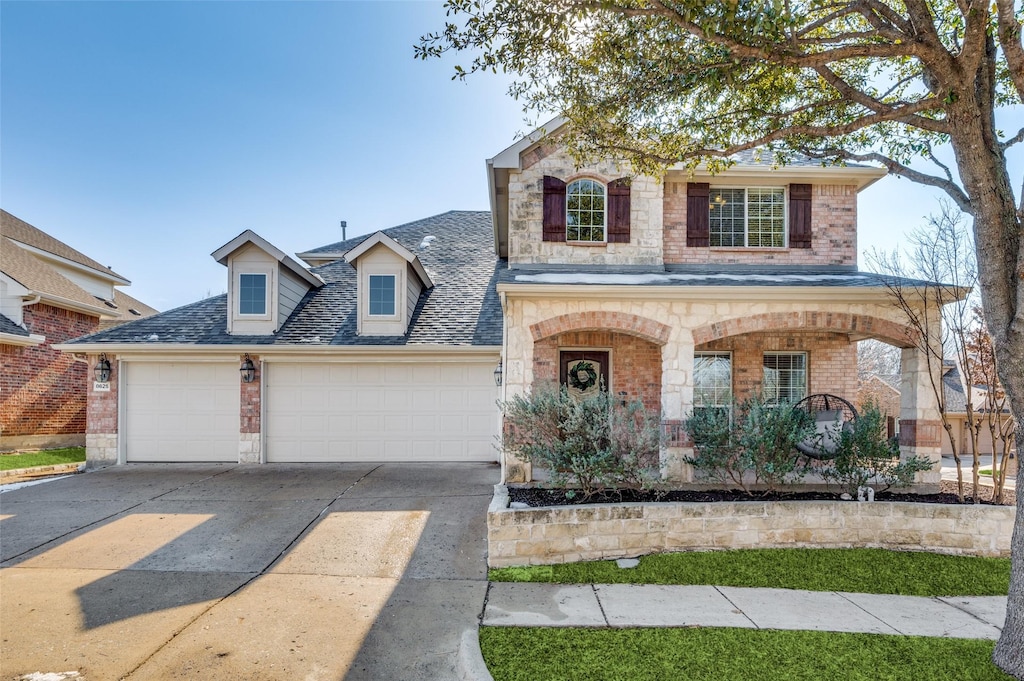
{"x":831,"y":360}
{"x":43,"y":391}
{"x":635,"y":362}
{"x":833,"y":227}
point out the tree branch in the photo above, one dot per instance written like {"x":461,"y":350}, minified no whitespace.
{"x":873,"y":11}
{"x":1010,"y":39}
{"x":1019,"y":137}
{"x":946,"y":184}
{"x":875,"y":105}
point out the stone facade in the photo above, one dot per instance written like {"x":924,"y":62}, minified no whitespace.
{"x":526,"y":198}
{"x":101,"y":439}
{"x":43,"y":391}
{"x":546,"y":536}
{"x":250,"y":438}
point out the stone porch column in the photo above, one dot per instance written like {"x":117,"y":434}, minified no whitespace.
{"x":518,"y":375}
{"x":920,"y":427}
{"x":676,"y":405}
{"x":101,"y":426}
{"x":250,"y":434}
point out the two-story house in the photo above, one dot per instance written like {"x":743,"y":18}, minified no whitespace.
{"x":685,"y":292}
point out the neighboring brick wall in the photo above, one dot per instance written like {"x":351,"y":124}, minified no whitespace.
{"x":565,"y":534}
{"x":635,"y":363}
{"x":833,"y":241}
{"x":43,"y":391}
{"x":831,"y":360}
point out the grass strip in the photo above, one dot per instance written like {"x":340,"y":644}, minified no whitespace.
{"x":876,"y":571}
{"x":555,"y":654}
{"x":47,"y":457}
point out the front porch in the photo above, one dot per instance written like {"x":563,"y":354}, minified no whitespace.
{"x":710,"y":353}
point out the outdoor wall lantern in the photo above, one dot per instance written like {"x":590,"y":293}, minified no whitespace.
{"x":248,"y":370}
{"x":497,"y":374}
{"x":102,"y":369}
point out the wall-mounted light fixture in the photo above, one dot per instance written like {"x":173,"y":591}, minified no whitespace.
{"x":498,"y":371}
{"x":102,"y":369}
{"x":248,"y":370}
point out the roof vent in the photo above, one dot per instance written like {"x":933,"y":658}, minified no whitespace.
{"x":134,"y":312}
{"x":427,"y":240}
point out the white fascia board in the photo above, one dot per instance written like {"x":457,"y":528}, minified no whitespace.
{"x":382,"y":239}
{"x":57,"y":301}
{"x":862,"y":176}
{"x":314,"y":259}
{"x":250,"y":237}
{"x":362,"y":353}
{"x":14,"y":287}
{"x":25,"y":341}
{"x":109,"y":275}
{"x":510,"y":157}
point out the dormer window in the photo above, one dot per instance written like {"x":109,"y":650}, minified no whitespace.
{"x":252,"y":294}
{"x":585,"y":211}
{"x":382,"y":295}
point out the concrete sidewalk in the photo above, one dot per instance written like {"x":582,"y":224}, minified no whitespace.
{"x":628,"y":605}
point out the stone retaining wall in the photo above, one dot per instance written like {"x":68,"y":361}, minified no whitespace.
{"x":565,"y":534}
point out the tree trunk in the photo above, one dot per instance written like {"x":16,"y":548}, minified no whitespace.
{"x":1000,"y":247}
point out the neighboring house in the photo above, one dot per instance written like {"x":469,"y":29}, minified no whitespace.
{"x":49,"y":294}
{"x":384,"y":351}
{"x":684,"y":293}
{"x":883,"y":391}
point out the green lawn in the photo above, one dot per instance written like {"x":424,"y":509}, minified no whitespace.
{"x":46,"y":457}
{"x":553,"y":654}
{"x":856,"y":570}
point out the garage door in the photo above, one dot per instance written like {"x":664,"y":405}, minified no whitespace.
{"x":181,"y":411}
{"x":381,"y":412}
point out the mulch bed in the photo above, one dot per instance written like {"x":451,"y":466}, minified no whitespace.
{"x":535,"y":496}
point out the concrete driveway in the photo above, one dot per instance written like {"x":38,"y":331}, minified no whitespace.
{"x":332,"y":571}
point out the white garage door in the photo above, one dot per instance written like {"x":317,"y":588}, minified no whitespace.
{"x":381,"y":412}
{"x":181,"y":411}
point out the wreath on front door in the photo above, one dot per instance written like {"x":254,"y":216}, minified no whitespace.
{"x":582,"y":376}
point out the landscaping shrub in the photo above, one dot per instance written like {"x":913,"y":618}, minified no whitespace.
{"x":756,"y":439}
{"x":864,"y":455}
{"x":590,"y":442}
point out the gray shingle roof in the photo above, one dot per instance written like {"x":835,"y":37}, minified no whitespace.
{"x":461,"y":310}
{"x":8,"y":326}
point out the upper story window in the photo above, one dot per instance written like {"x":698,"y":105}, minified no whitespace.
{"x":585,"y":211}
{"x":252,"y":294}
{"x":752,"y":217}
{"x":382,"y":295}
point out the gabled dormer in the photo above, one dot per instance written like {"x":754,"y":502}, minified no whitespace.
{"x":390,"y":280}
{"x":264,"y":284}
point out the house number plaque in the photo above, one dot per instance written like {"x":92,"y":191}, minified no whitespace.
{"x":98,"y":387}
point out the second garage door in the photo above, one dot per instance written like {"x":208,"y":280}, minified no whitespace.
{"x":426,"y":411}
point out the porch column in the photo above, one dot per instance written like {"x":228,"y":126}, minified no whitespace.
{"x":676,"y":405}
{"x":250,"y":435}
{"x":920,"y":427}
{"x":518,"y":375}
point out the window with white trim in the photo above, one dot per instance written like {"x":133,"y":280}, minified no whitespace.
{"x":785,"y":376}
{"x":748,"y":217}
{"x":585,"y":211}
{"x":712,"y":380}
{"x":252,"y":294}
{"x":382,"y":295}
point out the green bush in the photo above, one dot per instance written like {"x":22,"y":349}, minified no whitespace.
{"x":865,"y":456}
{"x":590,"y":442}
{"x":756,"y":440}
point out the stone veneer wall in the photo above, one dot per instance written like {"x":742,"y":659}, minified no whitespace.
{"x":833,"y":230}
{"x":635,"y":362}
{"x":831,"y":360}
{"x":249,"y":435}
{"x":43,"y":391}
{"x":565,"y":534}
{"x":526,"y":245}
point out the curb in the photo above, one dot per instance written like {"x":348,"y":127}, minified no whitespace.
{"x":20,"y":474}
{"x":471,"y":661}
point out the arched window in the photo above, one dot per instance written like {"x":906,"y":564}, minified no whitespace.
{"x":585,"y":211}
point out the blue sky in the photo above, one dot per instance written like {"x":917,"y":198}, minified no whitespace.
{"x":148,"y":134}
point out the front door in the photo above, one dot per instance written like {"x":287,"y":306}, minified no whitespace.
{"x":583,"y":371}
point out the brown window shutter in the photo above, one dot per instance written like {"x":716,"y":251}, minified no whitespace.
{"x":618,"y":211}
{"x":698,"y":214}
{"x":554,"y":209}
{"x":799,"y":216}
